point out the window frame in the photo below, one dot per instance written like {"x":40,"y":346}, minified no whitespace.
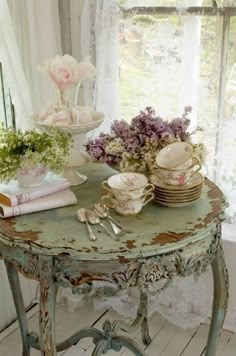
{"x":5,"y":96}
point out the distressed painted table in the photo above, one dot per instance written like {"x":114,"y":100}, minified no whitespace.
{"x":160,"y":243}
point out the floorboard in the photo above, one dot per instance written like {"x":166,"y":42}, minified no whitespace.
{"x":167,"y":339}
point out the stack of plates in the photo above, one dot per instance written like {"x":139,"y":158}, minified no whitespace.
{"x":176,"y":195}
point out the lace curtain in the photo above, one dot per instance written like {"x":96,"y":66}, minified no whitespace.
{"x":177,"y":62}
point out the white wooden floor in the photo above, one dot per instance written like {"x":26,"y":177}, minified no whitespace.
{"x":168,"y":340}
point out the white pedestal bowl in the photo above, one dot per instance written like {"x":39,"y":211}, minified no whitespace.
{"x":76,"y":157}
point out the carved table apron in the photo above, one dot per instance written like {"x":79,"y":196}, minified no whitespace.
{"x":160,"y":244}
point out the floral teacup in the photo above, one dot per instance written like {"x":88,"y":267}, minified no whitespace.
{"x":128,"y":186}
{"x":177,"y":176}
{"x":177,"y":155}
{"x":130,"y":207}
{"x":30,"y":177}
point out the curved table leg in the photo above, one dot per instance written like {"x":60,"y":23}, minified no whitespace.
{"x":130,"y":345}
{"x":145,"y":332}
{"x":47,"y":307}
{"x":144,"y":326}
{"x":221,"y":293}
{"x":14,"y":281}
{"x":140,"y":320}
{"x":100,"y":348}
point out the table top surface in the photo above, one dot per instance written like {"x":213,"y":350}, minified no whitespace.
{"x":157,"y":229}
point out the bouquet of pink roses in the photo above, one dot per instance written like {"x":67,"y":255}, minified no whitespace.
{"x":133,"y":147}
{"x":66,"y":73}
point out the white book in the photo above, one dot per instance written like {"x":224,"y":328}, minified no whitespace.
{"x":12,"y":194}
{"x":52,"y":201}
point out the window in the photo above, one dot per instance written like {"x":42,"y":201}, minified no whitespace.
{"x":171,"y":57}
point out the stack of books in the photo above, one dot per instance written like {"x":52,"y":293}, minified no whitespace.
{"x":53,"y":193}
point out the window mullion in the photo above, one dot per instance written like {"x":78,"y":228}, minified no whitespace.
{"x":222,"y":84}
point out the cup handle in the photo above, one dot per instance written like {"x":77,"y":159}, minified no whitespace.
{"x":149,"y":188}
{"x":109,"y":204}
{"x":148,"y":198}
{"x":197,"y":169}
{"x":106,"y":186}
{"x":197,"y":159}
{"x":155,"y":172}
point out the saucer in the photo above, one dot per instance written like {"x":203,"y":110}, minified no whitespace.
{"x":177,"y":205}
{"x":196,"y":181}
{"x":178,"y":193}
{"x":171,"y":198}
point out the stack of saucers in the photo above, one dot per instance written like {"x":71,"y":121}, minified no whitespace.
{"x":177,"y":195}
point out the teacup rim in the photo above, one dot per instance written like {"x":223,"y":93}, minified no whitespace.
{"x":171,"y":144}
{"x":128,"y":190}
{"x":180,"y":169}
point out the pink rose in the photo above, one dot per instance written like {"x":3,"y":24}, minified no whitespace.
{"x":65,"y":71}
{"x":82,"y":115}
{"x":48,"y":109}
{"x":86,"y":70}
{"x":62,"y":70}
{"x":59,"y":118}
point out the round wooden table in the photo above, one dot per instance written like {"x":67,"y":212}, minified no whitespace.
{"x":160,"y":244}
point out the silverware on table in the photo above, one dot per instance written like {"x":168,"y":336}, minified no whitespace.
{"x":103,"y":212}
{"x":81,"y":215}
{"x":93,"y":219}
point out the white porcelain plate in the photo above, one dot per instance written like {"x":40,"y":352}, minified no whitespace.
{"x":196,"y":180}
{"x":177,"y":205}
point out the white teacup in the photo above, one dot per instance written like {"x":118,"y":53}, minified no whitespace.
{"x":130,"y":207}
{"x":177,"y":176}
{"x":177,"y":155}
{"x":128,"y":186}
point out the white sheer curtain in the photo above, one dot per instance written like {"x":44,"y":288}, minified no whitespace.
{"x":99,"y":39}
{"x":10,"y":57}
{"x":29,"y":33}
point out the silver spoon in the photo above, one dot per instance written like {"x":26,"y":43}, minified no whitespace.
{"x":102,"y":212}
{"x":93,"y":219}
{"x":81,"y":215}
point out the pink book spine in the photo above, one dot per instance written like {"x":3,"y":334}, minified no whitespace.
{"x":29,"y":196}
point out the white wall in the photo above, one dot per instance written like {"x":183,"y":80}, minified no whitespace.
{"x":7,"y":308}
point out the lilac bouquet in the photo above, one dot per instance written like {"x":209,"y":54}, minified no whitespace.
{"x":133,"y":147}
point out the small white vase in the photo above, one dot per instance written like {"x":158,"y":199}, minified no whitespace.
{"x":30,"y":177}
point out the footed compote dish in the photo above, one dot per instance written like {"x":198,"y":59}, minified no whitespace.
{"x":76,"y":157}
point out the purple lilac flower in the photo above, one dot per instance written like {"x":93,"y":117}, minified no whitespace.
{"x":178,"y":126}
{"x":146,"y":124}
{"x":96,"y":147}
{"x":132,"y":143}
{"x":188,"y":110}
{"x":120,"y":129}
{"x":112,"y":160}
{"x":134,"y":136}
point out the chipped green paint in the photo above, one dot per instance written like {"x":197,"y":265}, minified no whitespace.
{"x":161,"y":243}
{"x":155,"y":230}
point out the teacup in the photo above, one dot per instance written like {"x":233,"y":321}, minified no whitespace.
{"x":128,"y":186}
{"x":177,"y":176}
{"x":177,"y":155}
{"x":130,"y":207}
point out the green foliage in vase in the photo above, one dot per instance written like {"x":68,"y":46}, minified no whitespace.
{"x":49,"y":148}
